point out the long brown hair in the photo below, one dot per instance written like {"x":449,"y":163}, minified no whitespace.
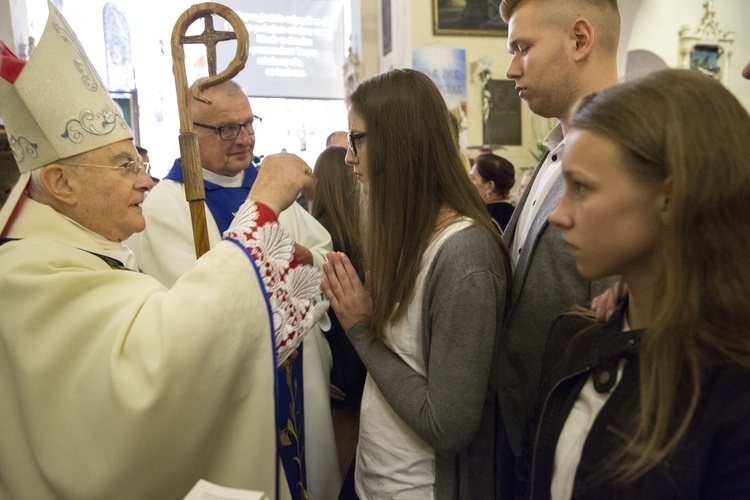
{"x":414,"y":169}
{"x":684,"y":126}
{"x":336,"y":203}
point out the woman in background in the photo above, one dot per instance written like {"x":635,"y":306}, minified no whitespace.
{"x":655,"y":403}
{"x":336,"y":206}
{"x":427,"y":322}
{"x":494,"y":176}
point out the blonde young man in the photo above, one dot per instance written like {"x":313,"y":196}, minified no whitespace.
{"x":165,"y":250}
{"x":561,"y":50}
{"x":111,"y":384}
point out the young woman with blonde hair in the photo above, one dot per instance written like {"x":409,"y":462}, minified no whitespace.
{"x":655,"y":403}
{"x":426,"y":323}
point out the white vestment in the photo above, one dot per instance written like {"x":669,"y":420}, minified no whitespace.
{"x":113,"y":386}
{"x":165,"y":250}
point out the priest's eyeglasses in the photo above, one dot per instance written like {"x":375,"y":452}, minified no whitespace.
{"x":353,"y":137}
{"x":130,"y":168}
{"x":231,"y":131}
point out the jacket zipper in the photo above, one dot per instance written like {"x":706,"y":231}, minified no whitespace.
{"x":539,"y":425}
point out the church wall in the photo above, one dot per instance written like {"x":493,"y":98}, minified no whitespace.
{"x":365,"y":36}
{"x":651,"y":25}
{"x":646,"y":24}
{"x":658,"y":23}
{"x":479,"y":50}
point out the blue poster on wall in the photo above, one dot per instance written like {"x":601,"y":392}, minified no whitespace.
{"x":447,"y":68}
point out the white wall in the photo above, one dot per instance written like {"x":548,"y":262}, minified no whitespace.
{"x":659,"y":21}
{"x":14,"y":26}
{"x":365,"y":35}
{"x":401,"y":33}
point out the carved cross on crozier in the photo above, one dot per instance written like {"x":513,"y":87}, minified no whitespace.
{"x":210,"y":38}
{"x":189,"y":150}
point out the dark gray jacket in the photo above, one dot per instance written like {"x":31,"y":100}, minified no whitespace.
{"x":546,"y":284}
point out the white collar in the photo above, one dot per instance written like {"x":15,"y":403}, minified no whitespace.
{"x":223,"y":180}
{"x":553,"y":139}
{"x":115,"y":249}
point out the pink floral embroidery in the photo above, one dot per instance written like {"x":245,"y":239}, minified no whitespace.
{"x":293,"y":290}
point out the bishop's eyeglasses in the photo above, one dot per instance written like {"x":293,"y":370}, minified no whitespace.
{"x":130,"y":169}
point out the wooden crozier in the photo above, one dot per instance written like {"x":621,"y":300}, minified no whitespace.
{"x":191,"y":164}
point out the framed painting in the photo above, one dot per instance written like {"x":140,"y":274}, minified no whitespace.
{"x":468,"y":18}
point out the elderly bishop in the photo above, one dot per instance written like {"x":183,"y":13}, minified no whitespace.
{"x":111,"y":384}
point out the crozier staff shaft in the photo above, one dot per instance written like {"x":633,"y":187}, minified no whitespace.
{"x":189,"y":151}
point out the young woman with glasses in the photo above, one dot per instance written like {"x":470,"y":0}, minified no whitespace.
{"x":426,"y":321}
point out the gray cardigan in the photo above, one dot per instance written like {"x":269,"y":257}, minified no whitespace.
{"x":453,"y":410}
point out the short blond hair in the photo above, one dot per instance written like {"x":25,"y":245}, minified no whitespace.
{"x":604,"y":15}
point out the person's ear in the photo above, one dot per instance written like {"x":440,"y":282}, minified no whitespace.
{"x":583,"y":33}
{"x":666,"y":205}
{"x":491,"y":185}
{"x":56,"y":179}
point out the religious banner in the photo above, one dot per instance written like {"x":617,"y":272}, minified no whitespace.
{"x":447,"y":68}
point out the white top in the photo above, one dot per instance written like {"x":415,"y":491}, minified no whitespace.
{"x":392,"y":460}
{"x":576,"y":430}
{"x":548,"y":173}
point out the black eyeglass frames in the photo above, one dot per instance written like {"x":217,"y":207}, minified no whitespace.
{"x":231,"y":131}
{"x":353,"y":137}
